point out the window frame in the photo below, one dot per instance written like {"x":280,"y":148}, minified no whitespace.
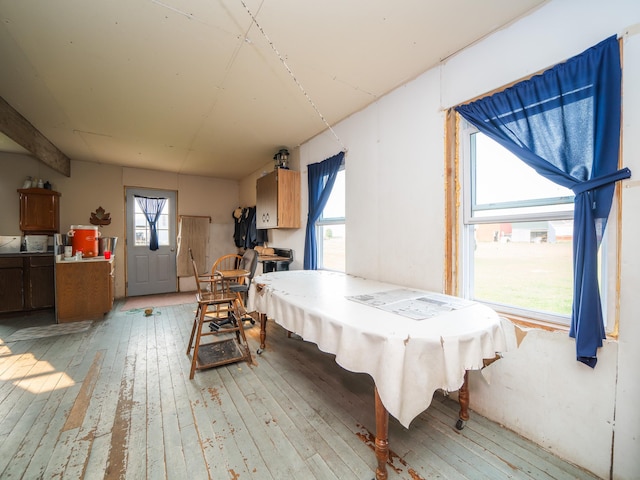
{"x":163,"y":220}
{"x":458,"y":239}
{"x":324,"y":222}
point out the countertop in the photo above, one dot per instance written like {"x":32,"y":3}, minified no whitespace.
{"x":61,"y":259}
{"x":58,"y":258}
{"x":26,"y":254}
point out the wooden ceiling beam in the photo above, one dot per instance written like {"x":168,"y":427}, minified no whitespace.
{"x":20,"y":130}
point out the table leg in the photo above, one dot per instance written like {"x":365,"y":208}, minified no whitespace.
{"x":382,"y":438}
{"x":463,"y":400}
{"x":263,"y":332}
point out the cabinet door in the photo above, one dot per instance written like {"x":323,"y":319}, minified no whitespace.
{"x":83,"y":290}
{"x":39,"y":211}
{"x":288,"y":199}
{"x":11,"y":285}
{"x":267,"y":201}
{"x":41,"y":282}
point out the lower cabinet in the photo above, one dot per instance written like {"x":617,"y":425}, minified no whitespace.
{"x":26,"y":282}
{"x":41,"y":292}
{"x":79,"y":290}
{"x":11,"y":284}
{"x":84,"y":290}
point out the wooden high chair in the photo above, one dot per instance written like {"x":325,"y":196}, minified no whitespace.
{"x":239,"y":271}
{"x":231,"y":345}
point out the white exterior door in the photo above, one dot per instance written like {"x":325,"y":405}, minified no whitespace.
{"x":150,"y":271}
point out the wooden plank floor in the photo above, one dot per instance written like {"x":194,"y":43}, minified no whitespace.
{"x":112,"y":399}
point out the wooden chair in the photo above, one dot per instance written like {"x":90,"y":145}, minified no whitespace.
{"x":239,"y":284}
{"x":231,"y":261}
{"x":214,"y":302}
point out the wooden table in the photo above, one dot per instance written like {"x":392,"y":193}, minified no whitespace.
{"x":411,"y":342}
{"x":233,"y":274}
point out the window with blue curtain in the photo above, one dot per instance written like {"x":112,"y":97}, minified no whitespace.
{"x":330,"y":228}
{"x":321,"y":177}
{"x":152,"y":208}
{"x":565,"y":124}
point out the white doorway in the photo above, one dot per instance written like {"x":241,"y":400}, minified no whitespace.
{"x":150,"y":271}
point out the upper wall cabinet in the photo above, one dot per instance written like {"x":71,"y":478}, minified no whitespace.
{"x":278,"y":200}
{"x":39,"y":211}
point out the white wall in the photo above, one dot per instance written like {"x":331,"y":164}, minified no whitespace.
{"x":395,"y":230}
{"x":540,"y":392}
{"x":198,"y":196}
{"x":627,"y":419}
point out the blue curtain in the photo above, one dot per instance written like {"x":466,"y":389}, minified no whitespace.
{"x":565,"y":123}
{"x":321,"y":178}
{"x":152,"y":208}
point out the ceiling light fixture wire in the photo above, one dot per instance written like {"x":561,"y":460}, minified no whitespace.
{"x":297,"y":82}
{"x":180,"y":12}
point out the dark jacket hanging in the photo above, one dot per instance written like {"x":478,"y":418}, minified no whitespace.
{"x":246,"y":235}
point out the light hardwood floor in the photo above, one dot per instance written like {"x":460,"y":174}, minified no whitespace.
{"x":113,"y":400}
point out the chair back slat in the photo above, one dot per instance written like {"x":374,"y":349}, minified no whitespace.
{"x":212,"y":288}
{"x":226,"y":262}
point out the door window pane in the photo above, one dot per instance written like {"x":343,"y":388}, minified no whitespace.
{"x":142,"y":232}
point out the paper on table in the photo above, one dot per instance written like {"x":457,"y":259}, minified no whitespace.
{"x":411,"y":303}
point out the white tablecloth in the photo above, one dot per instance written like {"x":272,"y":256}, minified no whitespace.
{"x":408,"y":359}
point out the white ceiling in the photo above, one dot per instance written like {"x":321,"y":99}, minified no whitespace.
{"x":195,"y":87}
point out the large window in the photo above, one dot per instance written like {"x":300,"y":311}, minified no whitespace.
{"x":517,"y":233}
{"x":330,"y":229}
{"x":566,"y":124}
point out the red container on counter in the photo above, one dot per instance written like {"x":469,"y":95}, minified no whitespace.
{"x":85,"y":239}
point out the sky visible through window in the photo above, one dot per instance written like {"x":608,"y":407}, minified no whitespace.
{"x":503,"y":177}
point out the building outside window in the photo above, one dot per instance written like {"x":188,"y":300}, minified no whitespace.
{"x":330,"y":229}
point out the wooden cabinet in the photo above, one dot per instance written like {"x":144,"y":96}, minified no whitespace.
{"x":278,"y":200}
{"x":39,"y":211}
{"x":11,"y":284}
{"x":26,"y":282}
{"x":41,"y":290}
{"x":84,"y":289}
